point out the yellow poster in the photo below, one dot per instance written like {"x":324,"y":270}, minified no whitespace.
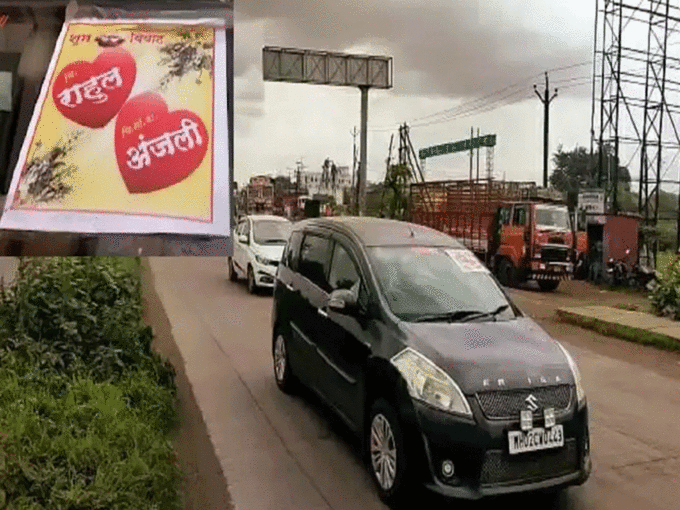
{"x":127,"y":125}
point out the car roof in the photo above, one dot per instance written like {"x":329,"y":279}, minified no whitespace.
{"x":372,"y":232}
{"x":268,"y":217}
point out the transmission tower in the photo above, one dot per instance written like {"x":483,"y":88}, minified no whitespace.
{"x":635,"y":96}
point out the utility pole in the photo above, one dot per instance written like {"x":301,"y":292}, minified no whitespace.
{"x":478,"y":147}
{"x":353,"y":195}
{"x":546,"y":99}
{"x":472,"y":151}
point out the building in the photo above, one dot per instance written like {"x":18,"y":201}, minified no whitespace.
{"x":315,"y":185}
{"x":260,"y":195}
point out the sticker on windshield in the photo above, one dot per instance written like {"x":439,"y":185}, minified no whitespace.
{"x":467,"y":261}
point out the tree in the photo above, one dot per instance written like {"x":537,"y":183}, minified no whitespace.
{"x":395,"y":197}
{"x":577,"y":169}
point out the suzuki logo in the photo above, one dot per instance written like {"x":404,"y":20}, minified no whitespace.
{"x":532,"y":403}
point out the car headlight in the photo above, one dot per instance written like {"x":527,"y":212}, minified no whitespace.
{"x":580,"y":393}
{"x":264,"y":261}
{"x":430,"y":384}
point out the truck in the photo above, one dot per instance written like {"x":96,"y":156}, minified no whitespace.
{"x":521,"y":232}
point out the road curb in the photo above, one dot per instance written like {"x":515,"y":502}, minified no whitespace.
{"x":582,"y":318}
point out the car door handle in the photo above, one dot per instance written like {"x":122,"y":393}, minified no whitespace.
{"x":322,"y":312}
{"x":289,"y":287}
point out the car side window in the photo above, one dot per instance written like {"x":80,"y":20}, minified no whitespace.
{"x":246,"y":228}
{"x":314,"y":260}
{"x":520,"y":216}
{"x":344,"y":273}
{"x":290,"y":258}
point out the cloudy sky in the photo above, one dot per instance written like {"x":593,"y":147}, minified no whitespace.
{"x":457,"y":64}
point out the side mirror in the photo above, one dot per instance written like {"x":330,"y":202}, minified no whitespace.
{"x":343,"y":301}
{"x":243,"y":239}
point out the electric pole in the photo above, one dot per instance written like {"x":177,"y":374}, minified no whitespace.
{"x":353,"y":196}
{"x":546,"y":99}
{"x":472,"y":151}
{"x":478,"y":148}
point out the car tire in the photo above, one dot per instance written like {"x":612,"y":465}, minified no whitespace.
{"x":506,"y":273}
{"x":548,"y":285}
{"x":386,"y":454}
{"x":283,"y":375}
{"x":252,"y":285}
{"x":233,"y":276}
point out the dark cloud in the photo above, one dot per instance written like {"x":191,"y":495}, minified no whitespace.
{"x":448,"y":47}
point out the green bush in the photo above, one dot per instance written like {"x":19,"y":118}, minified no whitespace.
{"x":86,"y":408}
{"x":666,"y":297}
{"x":80,"y":316}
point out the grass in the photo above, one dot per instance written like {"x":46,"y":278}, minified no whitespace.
{"x":621,"y":331}
{"x":86,"y":408}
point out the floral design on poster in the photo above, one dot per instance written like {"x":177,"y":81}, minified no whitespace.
{"x":145,"y":134}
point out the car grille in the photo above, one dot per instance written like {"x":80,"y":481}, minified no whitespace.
{"x":500,"y":467}
{"x":507,"y":404}
{"x":554,"y":254}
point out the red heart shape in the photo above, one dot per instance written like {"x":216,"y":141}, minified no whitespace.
{"x":156,"y":148}
{"x":91,"y":93}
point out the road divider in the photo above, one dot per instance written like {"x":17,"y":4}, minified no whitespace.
{"x":634,"y":326}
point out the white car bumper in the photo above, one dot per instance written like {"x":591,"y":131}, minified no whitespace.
{"x":264,"y":275}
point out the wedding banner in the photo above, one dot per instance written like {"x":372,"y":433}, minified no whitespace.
{"x":130,"y":133}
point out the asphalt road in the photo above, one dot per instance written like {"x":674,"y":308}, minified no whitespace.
{"x":283,"y":452}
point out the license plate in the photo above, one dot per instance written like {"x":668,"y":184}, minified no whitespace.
{"x":535,"y":439}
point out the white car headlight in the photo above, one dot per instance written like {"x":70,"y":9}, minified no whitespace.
{"x":264,"y":261}
{"x":580,"y":393}
{"x":429,"y":383}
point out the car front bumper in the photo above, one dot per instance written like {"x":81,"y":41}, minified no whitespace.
{"x":478,"y":449}
{"x":265,"y":275}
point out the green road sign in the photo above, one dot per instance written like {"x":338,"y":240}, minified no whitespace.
{"x":459,"y":146}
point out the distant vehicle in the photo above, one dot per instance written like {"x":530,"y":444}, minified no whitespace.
{"x":259,"y":241}
{"x":408,"y":337}
{"x":518,"y":230}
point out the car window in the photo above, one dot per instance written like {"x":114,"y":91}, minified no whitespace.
{"x":290,"y":257}
{"x":313,"y":264}
{"x":344,"y":273}
{"x":246,"y":228}
{"x":418,"y":281}
{"x":271,"y":231}
{"x":520,"y":217}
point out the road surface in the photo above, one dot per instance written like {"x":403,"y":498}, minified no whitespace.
{"x":281,"y":452}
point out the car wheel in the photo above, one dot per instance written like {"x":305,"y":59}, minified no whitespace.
{"x":233,"y":276}
{"x":548,"y":285}
{"x":387,"y":453}
{"x":252,"y":286}
{"x":506,"y":273}
{"x":285,"y":379}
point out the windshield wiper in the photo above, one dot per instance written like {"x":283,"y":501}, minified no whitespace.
{"x":446,"y":316}
{"x":479,"y":315}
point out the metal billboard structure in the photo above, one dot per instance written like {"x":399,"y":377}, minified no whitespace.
{"x":315,"y":67}
{"x":636,"y":99}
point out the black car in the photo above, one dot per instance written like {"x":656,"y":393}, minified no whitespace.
{"x":408,"y":337}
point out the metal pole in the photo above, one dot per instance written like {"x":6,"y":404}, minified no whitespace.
{"x":472,"y":151}
{"x":546,"y":126}
{"x":478,"y":155}
{"x":362,"y":156}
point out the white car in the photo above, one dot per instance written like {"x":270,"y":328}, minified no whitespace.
{"x":259,"y":242}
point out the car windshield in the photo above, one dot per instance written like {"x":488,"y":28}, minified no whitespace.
{"x":425,"y":283}
{"x":552,"y":218}
{"x":271,"y":231}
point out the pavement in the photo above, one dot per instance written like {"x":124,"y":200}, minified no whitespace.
{"x":281,"y":452}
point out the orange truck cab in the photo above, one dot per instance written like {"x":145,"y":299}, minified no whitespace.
{"x":533,"y":240}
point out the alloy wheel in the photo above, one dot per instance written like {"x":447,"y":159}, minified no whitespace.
{"x":383,"y":451}
{"x":280,"y":365}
